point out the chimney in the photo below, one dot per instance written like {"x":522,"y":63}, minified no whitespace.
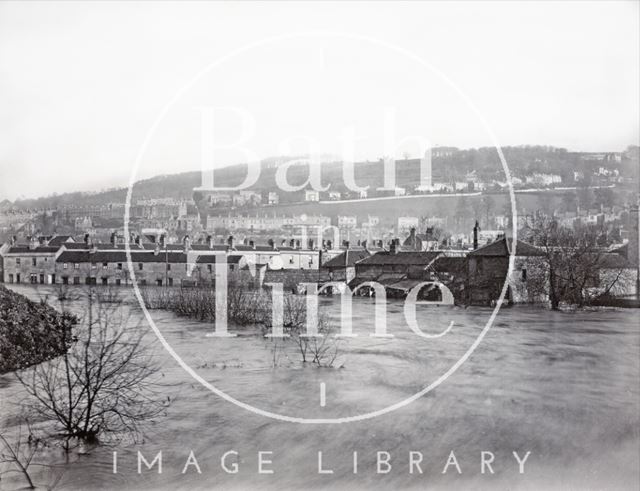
{"x":292,"y":243}
{"x":33,"y":242}
{"x":252,"y":244}
{"x":392,"y":247}
{"x":113,"y":238}
{"x":364,"y":245}
{"x":380,"y":243}
{"x":476,"y":228}
{"x":13,"y":240}
{"x":347,"y":244}
{"x":163,"y":240}
{"x":186,"y":242}
{"x":272,"y":244}
{"x":230,"y":241}
{"x":86,"y":239}
{"x":210,"y":241}
{"x":298,"y":244}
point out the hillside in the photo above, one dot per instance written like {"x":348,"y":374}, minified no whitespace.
{"x":522,"y":161}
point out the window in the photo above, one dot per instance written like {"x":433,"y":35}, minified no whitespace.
{"x":65,"y":280}
{"x":76,"y":280}
{"x":140,"y":266}
{"x":76,"y":266}
{"x":10,"y":278}
{"x":17,"y":277}
{"x":34,"y":261}
{"x":105,"y":265}
{"x":118,"y":281}
{"x":105,"y":281}
{"x":119,"y":266}
{"x":143,"y":282}
{"x":524,"y":274}
{"x":64,"y":265}
{"x":159,"y":282}
{"x":18,"y":262}
{"x":170,"y":281}
{"x":33,"y":278}
{"x":168,"y":267}
{"x":210,"y":267}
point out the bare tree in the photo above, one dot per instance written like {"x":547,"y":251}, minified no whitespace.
{"x":321,"y":349}
{"x":18,"y":455}
{"x":104,"y":386}
{"x":570,"y":271}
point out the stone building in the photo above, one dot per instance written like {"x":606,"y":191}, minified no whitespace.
{"x":31,"y":263}
{"x":488,"y":269}
{"x":95,"y":267}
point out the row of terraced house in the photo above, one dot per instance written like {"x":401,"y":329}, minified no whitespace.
{"x":63,"y":260}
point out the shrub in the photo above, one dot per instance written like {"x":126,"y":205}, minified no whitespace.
{"x":30,"y":332}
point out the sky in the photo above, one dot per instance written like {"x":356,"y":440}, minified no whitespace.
{"x":82,"y":84}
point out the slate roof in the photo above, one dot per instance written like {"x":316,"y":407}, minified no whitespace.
{"x":86,"y":256}
{"x":503,"y":247}
{"x":58,"y":240}
{"x":25,"y":249}
{"x":212,"y":259}
{"x":410,"y":258}
{"x":346,"y":259}
{"x":171,"y":247}
{"x":74,"y":246}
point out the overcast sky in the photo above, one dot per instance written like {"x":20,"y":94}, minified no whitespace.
{"x":82,"y":83}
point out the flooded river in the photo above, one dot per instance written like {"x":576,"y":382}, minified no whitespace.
{"x":563,"y":386}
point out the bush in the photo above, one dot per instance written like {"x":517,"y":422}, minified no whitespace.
{"x":30,"y":332}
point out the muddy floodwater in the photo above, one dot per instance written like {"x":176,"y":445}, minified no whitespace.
{"x":564,"y":386}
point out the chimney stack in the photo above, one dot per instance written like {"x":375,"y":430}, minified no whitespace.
{"x":186,"y":242}
{"x":252,"y":244}
{"x":113,"y":238}
{"x":272,"y":244}
{"x":86,"y":239}
{"x":392,"y":247}
{"x":210,"y":241}
{"x":476,"y":228}
{"x":163,"y":240}
{"x":230,"y":241}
